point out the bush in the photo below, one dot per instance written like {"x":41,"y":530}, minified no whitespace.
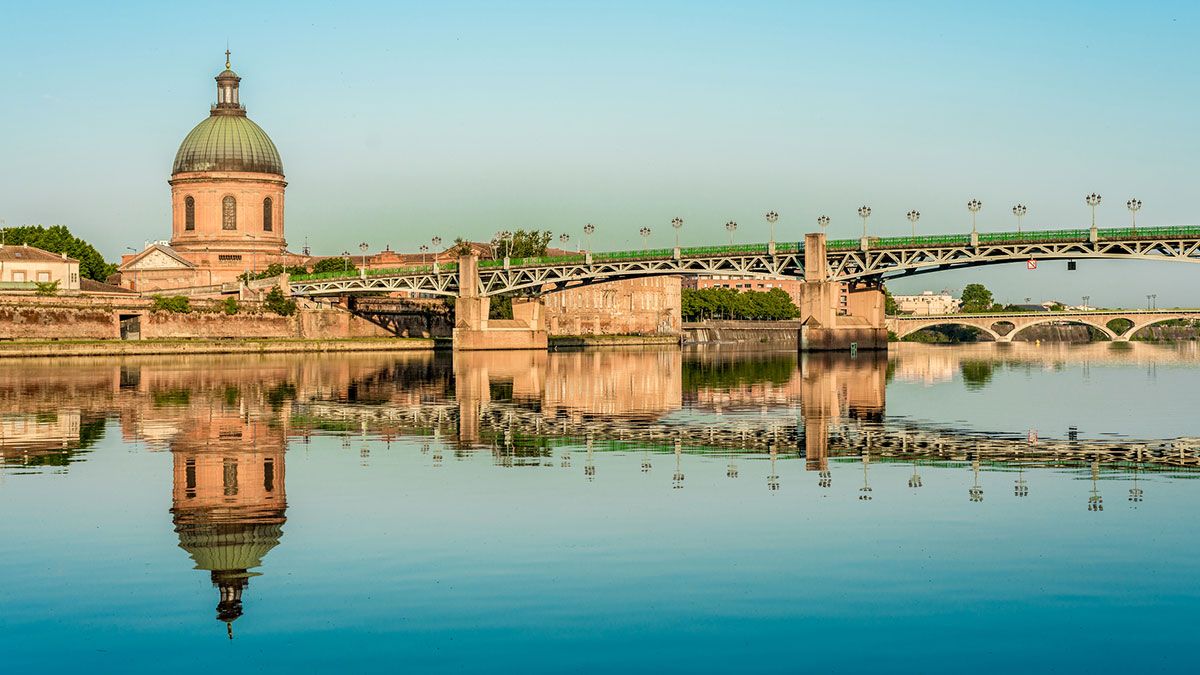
{"x":46,"y":288}
{"x":230,"y":306}
{"x":278,"y":303}
{"x":333,"y":265}
{"x":177,"y":304}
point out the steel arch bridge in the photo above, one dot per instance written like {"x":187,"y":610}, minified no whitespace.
{"x":846,"y":260}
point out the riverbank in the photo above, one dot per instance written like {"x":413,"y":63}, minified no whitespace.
{"x":779,"y":333}
{"x":60,"y":348}
{"x":582,"y":341}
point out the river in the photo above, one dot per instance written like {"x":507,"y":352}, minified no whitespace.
{"x":983,"y":507}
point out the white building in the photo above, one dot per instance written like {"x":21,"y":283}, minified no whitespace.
{"x":928,"y":303}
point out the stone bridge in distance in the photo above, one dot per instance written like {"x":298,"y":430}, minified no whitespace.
{"x":842,"y":303}
{"x":1005,"y":326}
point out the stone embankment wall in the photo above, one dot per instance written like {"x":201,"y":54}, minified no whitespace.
{"x":29,"y":318}
{"x":778,"y":333}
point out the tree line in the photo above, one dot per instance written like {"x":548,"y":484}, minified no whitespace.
{"x":727,"y":303}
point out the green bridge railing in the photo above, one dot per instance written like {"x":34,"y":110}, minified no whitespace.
{"x":931,"y":241}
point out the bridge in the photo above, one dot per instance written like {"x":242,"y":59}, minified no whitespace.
{"x":1005,"y":326}
{"x":843,"y":300}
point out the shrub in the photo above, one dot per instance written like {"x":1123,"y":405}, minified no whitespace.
{"x":177,"y":304}
{"x":230,"y":305}
{"x":46,"y":288}
{"x":278,"y":303}
{"x":333,"y":265}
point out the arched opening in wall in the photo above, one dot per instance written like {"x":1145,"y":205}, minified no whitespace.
{"x":948,"y":333}
{"x":189,"y":213}
{"x":1060,"y":331}
{"x":228,"y":213}
{"x":268,"y":215}
{"x":1003,"y":328}
{"x":1168,"y":329}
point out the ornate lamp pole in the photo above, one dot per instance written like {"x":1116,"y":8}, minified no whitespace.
{"x":423,"y":248}
{"x":363,"y":247}
{"x":823,"y":222}
{"x":346,"y":257}
{"x":864,"y":212}
{"x":645,"y":232}
{"x":505,"y":242}
{"x":1093,"y":200}
{"x":564,"y":239}
{"x":913,"y":217}
{"x":973,"y":206}
{"x":730,"y":227}
{"x":587,"y":234}
{"x":864,"y":492}
{"x":677,"y":223}
{"x":1134,"y":205}
{"x":436,"y":241}
{"x":772,"y":217}
{"x":1019,"y":211}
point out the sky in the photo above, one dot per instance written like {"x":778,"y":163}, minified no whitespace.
{"x":399,"y":121}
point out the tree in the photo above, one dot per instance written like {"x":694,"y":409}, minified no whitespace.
{"x":58,"y":239}
{"x":976,"y":298}
{"x":889,"y":303}
{"x":727,"y":303}
{"x":521,"y":244}
{"x":278,"y":303}
{"x":332,"y":265}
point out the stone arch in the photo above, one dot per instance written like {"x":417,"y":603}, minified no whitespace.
{"x":1053,"y":318}
{"x":943,"y":321}
{"x":1137,"y":327}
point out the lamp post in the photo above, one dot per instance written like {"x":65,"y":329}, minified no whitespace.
{"x":437,"y":244}
{"x":564,"y":239}
{"x":677,"y":223}
{"x":823,"y":222}
{"x":423,"y":248}
{"x":864,"y":212}
{"x":346,"y":257}
{"x":645,"y":232}
{"x":731,"y":227}
{"x":505,"y":247}
{"x":1134,"y":205}
{"x":363,"y":247}
{"x":1019,"y":211}
{"x":772,"y":217}
{"x":1093,"y":200}
{"x":1086,"y":298}
{"x":973,"y":206}
{"x":587,"y":232}
{"x":913,"y":217}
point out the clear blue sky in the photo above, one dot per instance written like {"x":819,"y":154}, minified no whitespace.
{"x":397,"y":121}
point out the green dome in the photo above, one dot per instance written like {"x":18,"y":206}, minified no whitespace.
{"x":228,"y":143}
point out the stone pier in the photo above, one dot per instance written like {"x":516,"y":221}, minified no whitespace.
{"x":836,"y":316}
{"x":473,"y":330}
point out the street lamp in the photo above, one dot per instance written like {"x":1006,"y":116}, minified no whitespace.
{"x":1086,"y":298}
{"x":505,"y":247}
{"x":1093,"y":200}
{"x":823,"y":222}
{"x":1019,"y":211}
{"x":772,"y":217}
{"x":346,"y":258}
{"x":973,"y":206}
{"x":645,"y":232}
{"x":564,"y":239}
{"x":913,"y":217}
{"x":363,"y":247}
{"x":587,"y":231}
{"x":864,"y":212}
{"x":1150,"y":301}
{"x":1134,"y":205}
{"x":730,"y":227}
{"x":423,"y":248}
{"x":677,"y":223}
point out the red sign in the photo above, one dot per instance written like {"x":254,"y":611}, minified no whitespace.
{"x":1031,"y":264}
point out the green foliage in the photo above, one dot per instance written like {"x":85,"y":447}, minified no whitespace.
{"x":977,"y":374}
{"x":278,"y":303}
{"x":500,"y":307}
{"x":177,"y":304}
{"x":58,"y":239}
{"x":230,"y":305}
{"x":46,"y":288}
{"x":775,"y":369}
{"x":521,"y":244}
{"x":976,"y":299}
{"x":461,"y":246}
{"x":727,"y":303}
{"x":889,"y":303}
{"x":275,"y":269}
{"x":944,"y":334}
{"x":332,"y":265}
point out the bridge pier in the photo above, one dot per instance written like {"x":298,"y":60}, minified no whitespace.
{"x":473,"y":330}
{"x":835,"y":316}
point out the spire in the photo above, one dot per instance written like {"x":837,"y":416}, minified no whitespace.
{"x":227,"y":65}
{"x":227,"y":91}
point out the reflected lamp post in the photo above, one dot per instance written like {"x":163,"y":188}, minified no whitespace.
{"x":913,"y":216}
{"x":864,"y":212}
{"x":1134,"y":205}
{"x":974,"y":206}
{"x":773,"y":478}
{"x":645,"y":232}
{"x":915,"y":481}
{"x":1095,"y":501}
{"x":772,"y":218}
{"x":677,"y":478}
{"x":1093,"y":200}
{"x":864,"y":492}
{"x":731,"y":227}
{"x":1019,"y":211}
{"x":975,"y":492}
{"x":587,"y":235}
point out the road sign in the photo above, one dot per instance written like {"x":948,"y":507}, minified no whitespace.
{"x":1031,"y":264}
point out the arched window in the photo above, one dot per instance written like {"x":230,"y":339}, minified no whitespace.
{"x":189,"y":213}
{"x":228,"y":214}
{"x":268,"y":216}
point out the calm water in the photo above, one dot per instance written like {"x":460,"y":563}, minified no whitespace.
{"x":983,"y":508}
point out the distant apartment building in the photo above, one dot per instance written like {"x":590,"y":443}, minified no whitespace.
{"x":23,"y":266}
{"x":927,"y":303}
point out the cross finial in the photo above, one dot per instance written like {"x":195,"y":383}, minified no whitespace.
{"x":226,"y":59}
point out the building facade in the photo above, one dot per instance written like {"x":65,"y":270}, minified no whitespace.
{"x":647,"y":306}
{"x":23,"y":266}
{"x":227,"y":203}
{"x":927,"y":304}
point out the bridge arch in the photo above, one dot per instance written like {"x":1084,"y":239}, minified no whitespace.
{"x":983,"y":326}
{"x":1147,"y":323}
{"x":1055,"y":319}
